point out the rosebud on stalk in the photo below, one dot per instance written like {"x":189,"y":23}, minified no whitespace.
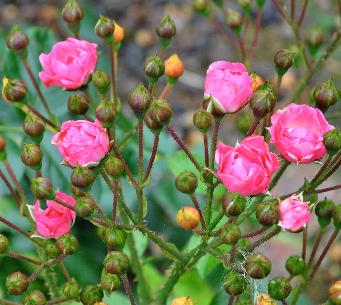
{"x":106,"y":112}
{"x":236,"y":206}
{"x":332,"y":141}
{"x":101,"y":81}
{"x":182,"y":301}
{"x":114,"y":238}
{"x":73,"y":14}
{"x":174,"y":68}
{"x":33,"y":127}
{"x":71,"y":289}
{"x":284,"y":59}
{"x":67,"y":244}
{"x":3,"y":153}
{"x":234,"y":283}
{"x":118,"y":36}
{"x":17,"y":283}
{"x":139,"y":100}
{"x":279,"y":288}
{"x":91,"y":294}
{"x":325,"y":95}
{"x":263,"y":101}
{"x":315,"y":40}
{"x":160,"y":111}
{"x":230,"y":233}
{"x":257,"y":81}
{"x":114,"y":167}
{"x":258,"y":266}
{"x":32,"y":155}
{"x":152,"y":125}
{"x":17,"y":41}
{"x":85,"y":206}
{"x":188,"y":218}
{"x":82,"y":177}
{"x":166,"y":30}
{"x":4,"y":244}
{"x":201,"y":7}
{"x":245,"y":5}
{"x":78,"y":103}
{"x":13,"y":90}
{"x":335,"y":293}
{"x":154,"y":68}
{"x":110,"y":282}
{"x":186,"y":182}
{"x":267,"y":214}
{"x":295,"y":265}
{"x":324,"y":211}
{"x":105,"y":29}
{"x":50,"y":248}
{"x":42,"y":188}
{"x":234,"y":20}
{"x":34,"y":297}
{"x":116,"y":263}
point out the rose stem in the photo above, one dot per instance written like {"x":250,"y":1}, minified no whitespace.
{"x":304,"y":242}
{"x":152,"y":158}
{"x":197,"y":206}
{"x":128,"y":289}
{"x":10,"y":188}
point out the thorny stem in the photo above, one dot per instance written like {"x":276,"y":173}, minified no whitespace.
{"x":264,"y":239}
{"x":166,"y":90}
{"x":41,"y":117}
{"x":15,"y":181}
{"x":304,"y":9}
{"x":65,"y":271}
{"x":256,"y":232}
{"x":315,"y":247}
{"x":25,"y":258}
{"x":253,"y":127}
{"x":128,"y":289}
{"x":293,"y":9}
{"x":304,"y":242}
{"x":139,"y":190}
{"x":14,"y":227}
{"x":281,"y":10}
{"x":327,"y":189}
{"x":221,"y":30}
{"x":197,"y":206}
{"x":322,"y":169}
{"x":152,"y":158}
{"x":7,"y":302}
{"x":207,"y":157}
{"x":58,"y":301}
{"x":115,"y":200}
{"x":10,"y":188}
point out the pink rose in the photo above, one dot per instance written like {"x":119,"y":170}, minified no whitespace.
{"x":297,"y":132}
{"x":69,"y":64}
{"x":82,"y":142}
{"x":294,"y":213}
{"x":247,"y":168}
{"x":56,"y":220}
{"x":229,"y":85}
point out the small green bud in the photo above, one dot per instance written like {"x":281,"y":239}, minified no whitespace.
{"x":202,"y":120}
{"x":71,"y":289}
{"x":91,"y":294}
{"x":51,"y":248}
{"x":82,"y":177}
{"x":32,"y":155}
{"x":67,"y":244}
{"x":17,"y":283}
{"x":186,"y":182}
{"x":314,"y":40}
{"x":42,"y":188}
{"x":105,"y":29}
{"x":258,"y":266}
{"x":4,"y":244}
{"x":284,"y":59}
{"x":263,"y":101}
{"x":267,"y":214}
{"x":234,"y":20}
{"x":201,"y":7}
{"x":78,"y":103}
{"x":106,"y":112}
{"x":236,"y":206}
{"x":17,"y":40}
{"x":324,"y":209}
{"x":72,"y":12}
{"x":110,"y":282}
{"x":166,"y":30}
{"x":332,"y":141}
{"x":14,"y":90}
{"x":139,"y":100}
{"x":337,"y":217}
{"x":116,"y":263}
{"x":152,"y":125}
{"x":160,"y":111}
{"x":230,"y":233}
{"x":295,"y":265}
{"x":34,"y":297}
{"x":101,"y":81}
{"x":85,"y":206}
{"x":154,"y":68}
{"x":101,"y":232}
{"x":33,"y":127}
{"x":114,"y":238}
{"x":114,"y":167}
{"x":260,"y":3}
{"x":234,"y":283}
{"x":325,"y":95}
{"x":279,"y":288}
{"x":245,"y":5}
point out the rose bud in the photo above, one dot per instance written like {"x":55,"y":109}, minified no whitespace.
{"x":314,"y":40}
{"x":104,"y":29}
{"x":234,"y":20}
{"x":264,"y":299}
{"x":258,"y":266}
{"x":335,"y":293}
{"x":244,"y":122}
{"x":17,"y":40}
{"x":284,"y":59}
{"x":245,"y":5}
{"x":13,"y":90}
{"x":3,"y":153}
{"x":152,"y":125}
{"x":160,"y":111}
{"x":279,"y":288}
{"x":201,"y":7}
{"x":71,"y":289}
{"x":154,"y":68}
{"x":72,"y":14}
{"x":230,"y":233}
{"x":114,"y":167}
{"x":16,"y":283}
{"x":263,"y":101}
{"x":267,"y":214}
{"x":101,"y":232}
{"x":91,"y":294}
{"x":202,"y":120}
{"x":186,"y":182}
{"x":182,"y":301}
{"x":114,"y":238}
{"x":34,"y":297}
{"x":188,"y":218}
{"x":82,"y":177}
{"x":118,"y":33}
{"x":139,"y":100}
{"x":50,"y":248}
{"x":324,"y":211}
{"x":337,"y":217}
{"x":85,"y":206}
{"x":4,"y":244}
{"x":42,"y":188}
{"x":325,"y":95}
{"x":236,"y":206}
{"x":174,"y":68}
{"x":234,"y":283}
{"x":78,"y":103}
{"x":260,"y":3}
{"x":106,"y":112}
{"x":33,"y":127}
{"x":166,"y":30}
{"x":67,"y":244}
{"x":101,"y":81}
{"x":110,"y":282}
{"x":32,"y":155}
{"x":257,"y":81}
{"x":295,"y":265}
{"x":116,"y":263}
{"x":332,"y":141}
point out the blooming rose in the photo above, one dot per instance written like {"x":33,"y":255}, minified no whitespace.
{"x":82,"y":142}
{"x":297,"y":132}
{"x":294,"y":213}
{"x":56,"y":220}
{"x":69,"y":64}
{"x":229,"y":85}
{"x":247,"y":168}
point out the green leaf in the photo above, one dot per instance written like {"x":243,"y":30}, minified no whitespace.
{"x":167,"y":254}
{"x":153,"y":276}
{"x":141,"y":243}
{"x":206,"y":264}
{"x":116,"y":298}
{"x":218,"y":3}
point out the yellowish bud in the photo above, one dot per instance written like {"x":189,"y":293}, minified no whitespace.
{"x":182,"y":301}
{"x":174,"y":67}
{"x":118,"y":33}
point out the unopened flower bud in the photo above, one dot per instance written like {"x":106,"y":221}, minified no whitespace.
{"x":33,"y":127}
{"x":82,"y":177}
{"x":3,"y":153}
{"x":114,"y":238}
{"x":325,"y":95}
{"x":105,"y":29}
{"x":116,"y":263}
{"x":257,"y":81}
{"x":174,"y":68}
{"x":78,"y":103}
{"x":324,"y":211}
{"x":263,"y":101}
{"x":118,"y":33}
{"x":314,"y":40}
{"x":42,"y":188}
{"x":332,"y":141}
{"x":71,"y":289}
{"x":182,"y":301}
{"x":267,"y":214}
{"x":4,"y":244}
{"x":160,"y":111}
{"x":34,"y":297}
{"x":85,"y":206}
{"x":13,"y":90}
{"x":67,"y":244}
{"x":283,"y":61}
{"x":234,"y":20}
{"x":50,"y":248}
{"x":244,"y":122}
{"x":16,"y":283}
{"x":139,"y":100}
{"x":17,"y":40}
{"x":201,"y":7}
{"x":166,"y":30}
{"x":245,"y":5}
{"x":257,"y":266}
{"x":186,"y":182}
{"x":91,"y":294}
{"x":236,"y":206}
{"x":101,"y":81}
{"x":202,"y":120}
{"x":32,"y":155}
{"x":234,"y":283}
{"x":264,"y":299}
{"x":110,"y":282}
{"x":279,"y":288}
{"x":114,"y":167}
{"x":152,"y":125}
{"x":260,"y":3}
{"x":154,"y":68}
{"x":230,"y":233}
{"x":337,"y":217}
{"x":72,"y":12}
{"x":335,"y":293}
{"x":188,"y":218}
{"x":295,"y":265}
{"x":106,"y":112}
